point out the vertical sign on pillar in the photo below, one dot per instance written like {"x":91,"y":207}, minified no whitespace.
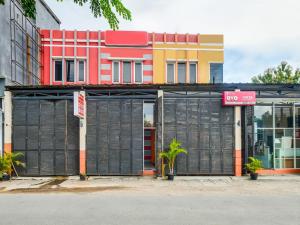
{"x":80,"y":112}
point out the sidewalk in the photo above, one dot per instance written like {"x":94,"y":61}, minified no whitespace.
{"x":181,"y":184}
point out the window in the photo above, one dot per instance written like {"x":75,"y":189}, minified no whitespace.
{"x":58,"y":70}
{"x":170,"y":73}
{"x":81,"y":71}
{"x":193,"y":73}
{"x":116,"y":72}
{"x":126,"y":72}
{"x":138,"y":73}
{"x":149,"y":114}
{"x":216,"y":73}
{"x":181,"y":73}
{"x":70,"y":70}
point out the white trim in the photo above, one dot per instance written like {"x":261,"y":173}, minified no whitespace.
{"x":112,"y":70}
{"x":209,"y":62}
{"x":166,"y":76}
{"x":181,"y":62}
{"x":142,"y":73}
{"x":127,"y":61}
{"x":53,"y":75}
{"x":195,"y":63}
{"x":70,"y":60}
{"x":212,"y":44}
{"x":84,"y":70}
{"x":148,"y":48}
{"x":69,"y":57}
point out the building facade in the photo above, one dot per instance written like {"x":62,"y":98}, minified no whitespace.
{"x":130,"y":57}
{"x":125,"y":127}
{"x":20,"y":54}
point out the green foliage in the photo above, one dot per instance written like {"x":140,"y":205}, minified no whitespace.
{"x":8,"y":162}
{"x":253,"y":165}
{"x":174,"y":150}
{"x":282,"y":74}
{"x":109,"y":9}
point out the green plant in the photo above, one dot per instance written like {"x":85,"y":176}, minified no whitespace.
{"x":253,"y":165}
{"x":174,"y":150}
{"x":9,"y":161}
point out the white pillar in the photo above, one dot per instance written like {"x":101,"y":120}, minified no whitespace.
{"x":237,"y":141}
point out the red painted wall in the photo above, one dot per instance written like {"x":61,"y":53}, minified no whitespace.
{"x":94,"y":47}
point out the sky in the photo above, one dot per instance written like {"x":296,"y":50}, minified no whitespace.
{"x":258,"y":34}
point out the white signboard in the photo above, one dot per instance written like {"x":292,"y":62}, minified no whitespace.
{"x":79,"y":104}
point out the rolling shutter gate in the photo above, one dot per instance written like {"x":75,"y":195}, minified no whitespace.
{"x":47,"y":133}
{"x":205,"y":129}
{"x":114,"y":136}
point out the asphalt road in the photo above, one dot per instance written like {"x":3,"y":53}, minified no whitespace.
{"x":138,"y":208}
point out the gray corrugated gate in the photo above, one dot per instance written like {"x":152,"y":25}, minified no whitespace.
{"x":114,"y":136}
{"x":205,"y":129}
{"x":47,"y":132}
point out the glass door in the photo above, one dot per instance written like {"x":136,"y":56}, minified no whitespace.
{"x":297,"y":135}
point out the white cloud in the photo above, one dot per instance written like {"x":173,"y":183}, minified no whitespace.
{"x":260,"y":32}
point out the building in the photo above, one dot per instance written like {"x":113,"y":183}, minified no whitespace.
{"x":136,"y":57}
{"x":122,"y":128}
{"x":20,"y":45}
{"x":20,"y":42}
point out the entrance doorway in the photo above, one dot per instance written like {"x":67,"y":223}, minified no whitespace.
{"x":149,"y":136}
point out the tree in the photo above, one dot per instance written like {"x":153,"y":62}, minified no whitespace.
{"x":106,"y":8}
{"x":282,"y":74}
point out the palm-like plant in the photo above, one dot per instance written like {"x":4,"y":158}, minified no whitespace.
{"x":9,"y":161}
{"x":174,"y":150}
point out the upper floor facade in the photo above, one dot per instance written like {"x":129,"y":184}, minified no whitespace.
{"x":123,"y":57}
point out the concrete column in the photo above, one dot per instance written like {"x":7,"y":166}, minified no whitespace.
{"x":7,"y":121}
{"x":82,"y":141}
{"x":237,"y":141}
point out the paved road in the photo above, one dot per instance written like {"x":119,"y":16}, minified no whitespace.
{"x":138,"y":208}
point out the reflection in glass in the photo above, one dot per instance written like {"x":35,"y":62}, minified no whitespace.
{"x":263,"y":117}
{"x":149,"y":114}
{"x":263,"y":147}
{"x":284,"y":116}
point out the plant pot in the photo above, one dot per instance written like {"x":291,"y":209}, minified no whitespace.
{"x":6,"y":177}
{"x":170,"y":176}
{"x":82,"y":177}
{"x":253,"y":176}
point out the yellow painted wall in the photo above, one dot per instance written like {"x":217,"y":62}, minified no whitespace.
{"x":209,"y":49}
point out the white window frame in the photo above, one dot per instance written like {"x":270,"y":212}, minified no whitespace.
{"x":212,"y":62}
{"x":142,"y":68}
{"x":66,"y":69}
{"x":130,"y":73}
{"x":196,"y":63}
{"x":112,"y":70}
{"x":62,"y":72}
{"x":84,"y":70}
{"x":174,"y":65}
{"x":186,"y":65}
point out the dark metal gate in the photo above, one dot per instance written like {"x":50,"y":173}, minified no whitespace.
{"x":47,"y":133}
{"x":205,"y":129}
{"x":114,"y":136}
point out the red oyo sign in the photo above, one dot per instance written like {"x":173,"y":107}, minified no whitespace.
{"x":238,"y":98}
{"x":79,"y":104}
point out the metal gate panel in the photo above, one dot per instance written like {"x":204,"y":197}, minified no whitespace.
{"x":205,"y":129}
{"x":114,"y":137}
{"x":47,"y":133}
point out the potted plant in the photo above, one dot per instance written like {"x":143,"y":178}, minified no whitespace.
{"x":8,"y":163}
{"x":170,"y":155}
{"x":253,"y":165}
